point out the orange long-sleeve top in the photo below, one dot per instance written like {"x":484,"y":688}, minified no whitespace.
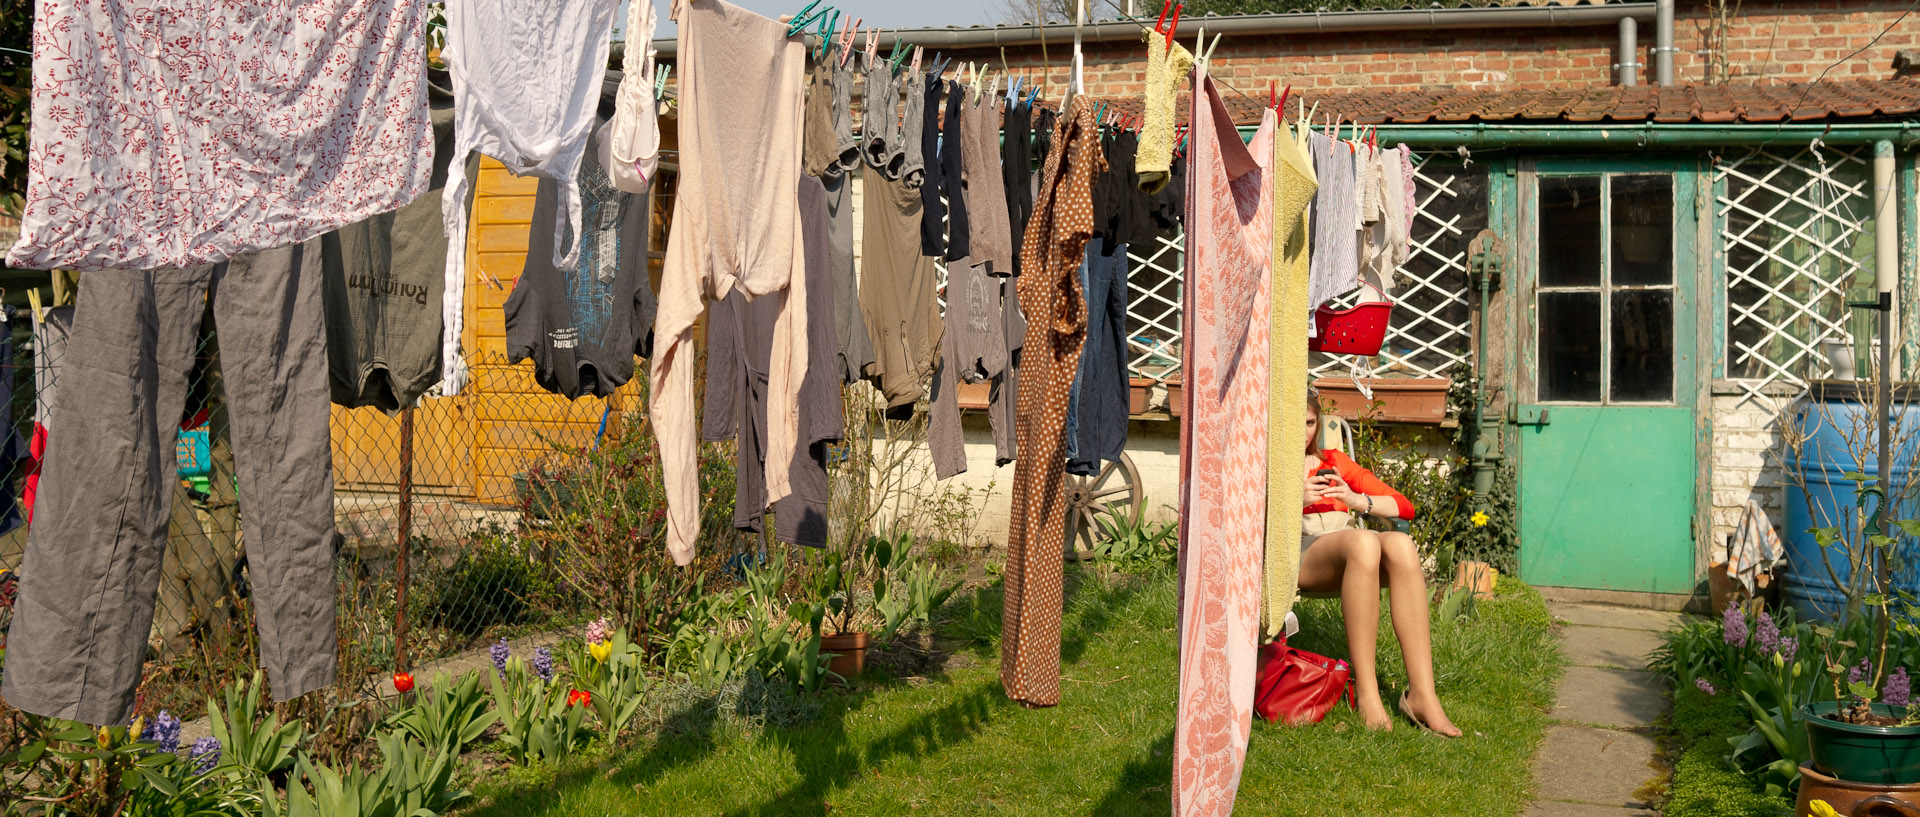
{"x":1360,"y":479}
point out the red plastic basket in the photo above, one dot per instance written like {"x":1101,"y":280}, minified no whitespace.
{"x":1356,"y":330}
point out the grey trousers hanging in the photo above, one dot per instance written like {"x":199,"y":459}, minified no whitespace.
{"x":94,"y":555}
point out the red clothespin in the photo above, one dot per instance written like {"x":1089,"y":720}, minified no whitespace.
{"x":1283,"y":99}
{"x":1273,"y":86}
{"x":1160,"y":26}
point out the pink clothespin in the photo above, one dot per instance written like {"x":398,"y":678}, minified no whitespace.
{"x":846,"y":41}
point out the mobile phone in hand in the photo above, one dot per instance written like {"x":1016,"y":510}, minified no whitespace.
{"x":1326,"y":472}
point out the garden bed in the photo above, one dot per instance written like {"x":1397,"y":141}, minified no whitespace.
{"x":945,"y":739}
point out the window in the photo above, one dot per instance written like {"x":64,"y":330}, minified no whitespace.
{"x":1605,"y":296}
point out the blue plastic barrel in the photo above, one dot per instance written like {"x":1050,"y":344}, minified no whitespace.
{"x":1833,"y":415}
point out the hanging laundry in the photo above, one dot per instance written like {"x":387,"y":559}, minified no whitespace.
{"x":819,"y":152}
{"x":1098,"y":411}
{"x":883,"y":143}
{"x":991,"y":242}
{"x":853,"y":344}
{"x":846,"y":145}
{"x":1170,"y":204}
{"x":1016,"y":172}
{"x":973,"y":349}
{"x":1293,"y":188}
{"x":230,"y":132}
{"x":1165,"y":70}
{"x":51,"y":329}
{"x":959,"y":225}
{"x":632,"y":154}
{"x":102,"y":526}
{"x":383,"y":280}
{"x":581,"y":327}
{"x":735,"y":219}
{"x":936,"y":190}
{"x":524,"y":94}
{"x":740,"y":355}
{"x":1379,"y":215}
{"x":1050,"y":295}
{"x":1333,"y":266}
{"x":896,"y":291}
{"x":910,"y":139}
{"x":1395,"y":184}
{"x":1124,"y":211}
{"x":1223,"y":449}
{"x":1006,"y":389}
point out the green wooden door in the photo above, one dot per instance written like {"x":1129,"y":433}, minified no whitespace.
{"x":1605,"y":419}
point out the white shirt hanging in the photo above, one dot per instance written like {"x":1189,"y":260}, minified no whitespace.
{"x":633,"y":152}
{"x":526,"y":86}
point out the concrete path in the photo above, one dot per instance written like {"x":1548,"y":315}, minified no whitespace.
{"x":1598,"y":754}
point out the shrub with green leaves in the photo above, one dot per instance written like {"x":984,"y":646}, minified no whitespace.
{"x":412,"y":781}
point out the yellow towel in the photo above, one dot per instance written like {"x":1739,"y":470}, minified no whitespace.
{"x":1293,"y":189}
{"x":1154,"y":159}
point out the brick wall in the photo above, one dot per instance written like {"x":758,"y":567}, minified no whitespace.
{"x":1747,"y":457}
{"x":1792,"y":41}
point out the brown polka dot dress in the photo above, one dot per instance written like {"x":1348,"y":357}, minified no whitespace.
{"x":1056,"y":313}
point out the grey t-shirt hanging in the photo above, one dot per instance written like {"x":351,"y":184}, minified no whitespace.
{"x":583,"y":326}
{"x":383,"y":279}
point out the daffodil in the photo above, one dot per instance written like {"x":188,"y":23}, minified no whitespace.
{"x":1480,"y":519}
{"x":1820,"y":808}
{"x":600,"y":650}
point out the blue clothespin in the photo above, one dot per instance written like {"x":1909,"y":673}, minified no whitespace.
{"x":806,"y":16}
{"x":1033,"y":94}
{"x":827,"y":27}
{"x":1013,"y":91}
{"x":938,"y":67}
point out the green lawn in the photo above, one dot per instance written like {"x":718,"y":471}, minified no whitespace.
{"x":952,"y":744}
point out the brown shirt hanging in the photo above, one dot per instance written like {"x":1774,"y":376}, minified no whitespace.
{"x":1056,"y":314}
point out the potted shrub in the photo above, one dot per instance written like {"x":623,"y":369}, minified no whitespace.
{"x":1867,"y":732}
{"x":878,"y":583}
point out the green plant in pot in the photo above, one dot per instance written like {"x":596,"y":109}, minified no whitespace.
{"x":1868,"y":731}
{"x":880,"y":583}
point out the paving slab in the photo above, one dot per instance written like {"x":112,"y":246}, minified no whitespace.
{"x":1602,"y":767}
{"x":1553,"y":808}
{"x":1606,"y":615}
{"x":1621,"y":699}
{"x":1588,"y":646}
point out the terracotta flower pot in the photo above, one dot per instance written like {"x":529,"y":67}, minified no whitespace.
{"x":849,"y":653}
{"x":1401,"y":399}
{"x":1173,"y":398}
{"x":1856,"y":799}
{"x":1480,"y":577}
{"x":1140,"y":389}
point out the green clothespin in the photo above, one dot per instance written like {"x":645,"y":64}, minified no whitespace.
{"x":660,"y":81}
{"x":899,"y":54}
{"x":806,"y":15}
{"x":827,"y":27}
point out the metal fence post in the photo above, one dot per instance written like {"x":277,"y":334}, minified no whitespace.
{"x":405,"y":534}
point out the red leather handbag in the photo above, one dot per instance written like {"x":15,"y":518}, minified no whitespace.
{"x":1296,"y":687}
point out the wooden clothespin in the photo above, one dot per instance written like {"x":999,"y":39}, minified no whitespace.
{"x":805,"y":17}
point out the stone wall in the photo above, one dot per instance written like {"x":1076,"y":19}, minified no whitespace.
{"x":1748,"y":453}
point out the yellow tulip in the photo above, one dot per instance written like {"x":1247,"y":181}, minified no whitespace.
{"x":600,"y":650}
{"x":1820,"y":808}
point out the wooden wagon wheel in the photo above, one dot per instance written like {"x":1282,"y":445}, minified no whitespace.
{"x":1115,"y":491}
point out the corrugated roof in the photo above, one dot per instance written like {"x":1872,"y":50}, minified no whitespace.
{"x":1707,"y":104}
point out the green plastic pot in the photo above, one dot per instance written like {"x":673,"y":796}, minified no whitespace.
{"x":1862,"y":754}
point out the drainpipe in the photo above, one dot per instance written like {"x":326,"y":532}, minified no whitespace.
{"x":1629,"y":52}
{"x":1663,"y":42}
{"x":1886,"y":269}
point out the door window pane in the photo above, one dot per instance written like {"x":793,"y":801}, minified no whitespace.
{"x":1642,"y":222}
{"x":1642,"y":346}
{"x":1570,"y":231}
{"x":1569,"y":346}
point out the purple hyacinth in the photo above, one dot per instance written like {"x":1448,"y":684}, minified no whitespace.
{"x":1788,"y":646}
{"x":500,"y":652}
{"x":1859,"y":673}
{"x":1767,"y":634}
{"x":163,"y":730}
{"x":1734,"y":625}
{"x":543,"y":663}
{"x":599,"y":631}
{"x":1898,"y":689}
{"x":205,"y":754}
{"x":1704,"y":686}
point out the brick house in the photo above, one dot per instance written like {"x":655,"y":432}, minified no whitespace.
{"x":1675,"y":261}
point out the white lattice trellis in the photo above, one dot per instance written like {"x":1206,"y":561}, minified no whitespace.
{"x":1792,"y":224}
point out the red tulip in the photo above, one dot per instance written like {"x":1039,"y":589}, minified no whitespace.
{"x":403,"y":681}
{"x":580,"y":697}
